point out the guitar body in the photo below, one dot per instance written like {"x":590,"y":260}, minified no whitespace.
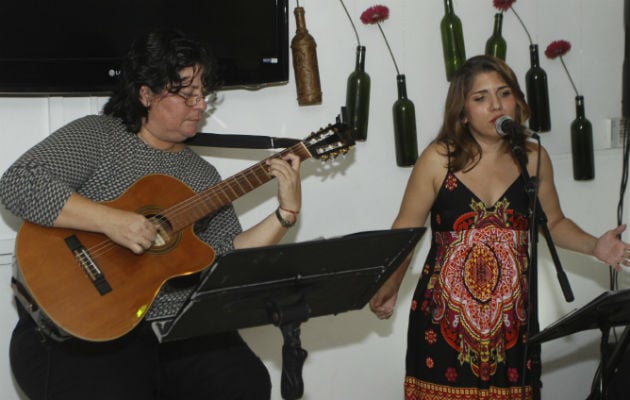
{"x":62,"y":287}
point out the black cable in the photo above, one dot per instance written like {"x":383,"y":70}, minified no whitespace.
{"x":614,"y":274}
{"x":614,"y":284}
{"x":622,"y":191}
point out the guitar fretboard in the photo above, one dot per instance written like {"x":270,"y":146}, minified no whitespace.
{"x":214,"y":198}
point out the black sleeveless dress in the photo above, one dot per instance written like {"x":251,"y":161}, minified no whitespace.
{"x":467,"y":321}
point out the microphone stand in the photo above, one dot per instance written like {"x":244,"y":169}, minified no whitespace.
{"x":538,"y":219}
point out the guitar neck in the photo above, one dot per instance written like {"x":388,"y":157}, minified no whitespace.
{"x":225,"y":192}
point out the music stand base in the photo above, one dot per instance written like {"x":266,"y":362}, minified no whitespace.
{"x":289,"y":318}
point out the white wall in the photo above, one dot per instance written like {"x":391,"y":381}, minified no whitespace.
{"x":353,"y":355}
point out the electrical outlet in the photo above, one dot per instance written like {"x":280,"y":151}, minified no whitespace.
{"x":618,"y":132}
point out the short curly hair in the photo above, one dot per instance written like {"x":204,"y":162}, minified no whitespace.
{"x":155,"y":60}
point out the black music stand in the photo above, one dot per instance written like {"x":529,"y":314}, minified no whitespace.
{"x":608,"y":310}
{"x":288,"y":284}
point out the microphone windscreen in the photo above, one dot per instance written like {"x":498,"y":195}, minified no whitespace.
{"x":501,"y":124}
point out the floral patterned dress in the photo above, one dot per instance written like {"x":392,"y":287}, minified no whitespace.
{"x":468,"y":321}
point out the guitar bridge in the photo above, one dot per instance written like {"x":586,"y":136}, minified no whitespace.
{"x":87,"y":264}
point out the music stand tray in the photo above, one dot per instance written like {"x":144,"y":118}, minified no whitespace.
{"x":287,"y":284}
{"x":608,"y":310}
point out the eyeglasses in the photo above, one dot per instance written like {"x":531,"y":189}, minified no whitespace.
{"x":192,"y":100}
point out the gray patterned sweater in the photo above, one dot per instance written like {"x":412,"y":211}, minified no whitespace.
{"x":98,"y":158}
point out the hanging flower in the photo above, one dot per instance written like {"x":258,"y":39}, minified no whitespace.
{"x":376,"y":15}
{"x":351,"y":23}
{"x":504,"y":5}
{"x":559,"y":48}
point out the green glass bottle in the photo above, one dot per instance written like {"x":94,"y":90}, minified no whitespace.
{"x":405,"y":126}
{"x":582,"y":144}
{"x":358,"y":97}
{"x":537,"y":93}
{"x":496,"y":45}
{"x":452,"y":40}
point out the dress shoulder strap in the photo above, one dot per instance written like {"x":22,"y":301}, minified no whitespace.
{"x":448,"y":156}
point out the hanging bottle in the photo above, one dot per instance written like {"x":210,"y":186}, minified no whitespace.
{"x":405,"y":126}
{"x":496,"y":45}
{"x":582,"y":144}
{"x":452,"y":40}
{"x":304,"y":51}
{"x":358,"y":97}
{"x":537,"y":94}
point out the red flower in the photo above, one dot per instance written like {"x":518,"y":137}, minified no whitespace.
{"x":375,"y":14}
{"x":430,"y":336}
{"x":451,"y":374}
{"x":513,"y":375}
{"x":451,"y":182}
{"x":557,"y":48}
{"x":503,"y":5}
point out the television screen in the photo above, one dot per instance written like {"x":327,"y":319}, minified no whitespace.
{"x":74,"y":47}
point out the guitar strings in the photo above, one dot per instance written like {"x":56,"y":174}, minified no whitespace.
{"x":212,"y":195}
{"x":172,"y":213}
{"x":242,"y":180}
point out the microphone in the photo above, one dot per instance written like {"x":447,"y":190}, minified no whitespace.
{"x":506,"y":127}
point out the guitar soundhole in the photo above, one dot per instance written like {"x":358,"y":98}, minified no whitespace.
{"x":166,"y":239}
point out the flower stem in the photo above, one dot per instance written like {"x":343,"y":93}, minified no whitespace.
{"x":523,"y":25}
{"x":351,"y":23}
{"x":389,"y":48}
{"x":569,"y":75}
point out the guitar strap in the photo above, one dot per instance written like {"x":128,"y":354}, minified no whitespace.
{"x":239,"y":141}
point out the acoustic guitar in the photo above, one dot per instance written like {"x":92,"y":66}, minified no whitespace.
{"x":97,"y":290}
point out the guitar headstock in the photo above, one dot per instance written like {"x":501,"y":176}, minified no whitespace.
{"x":330,"y":142}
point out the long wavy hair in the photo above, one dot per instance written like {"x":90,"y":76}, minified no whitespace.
{"x":463,"y":150}
{"x":155,"y":59}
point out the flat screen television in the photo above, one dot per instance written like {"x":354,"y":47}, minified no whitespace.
{"x":74,"y":47}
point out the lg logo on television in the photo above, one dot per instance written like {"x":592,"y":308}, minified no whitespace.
{"x":113,"y":73}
